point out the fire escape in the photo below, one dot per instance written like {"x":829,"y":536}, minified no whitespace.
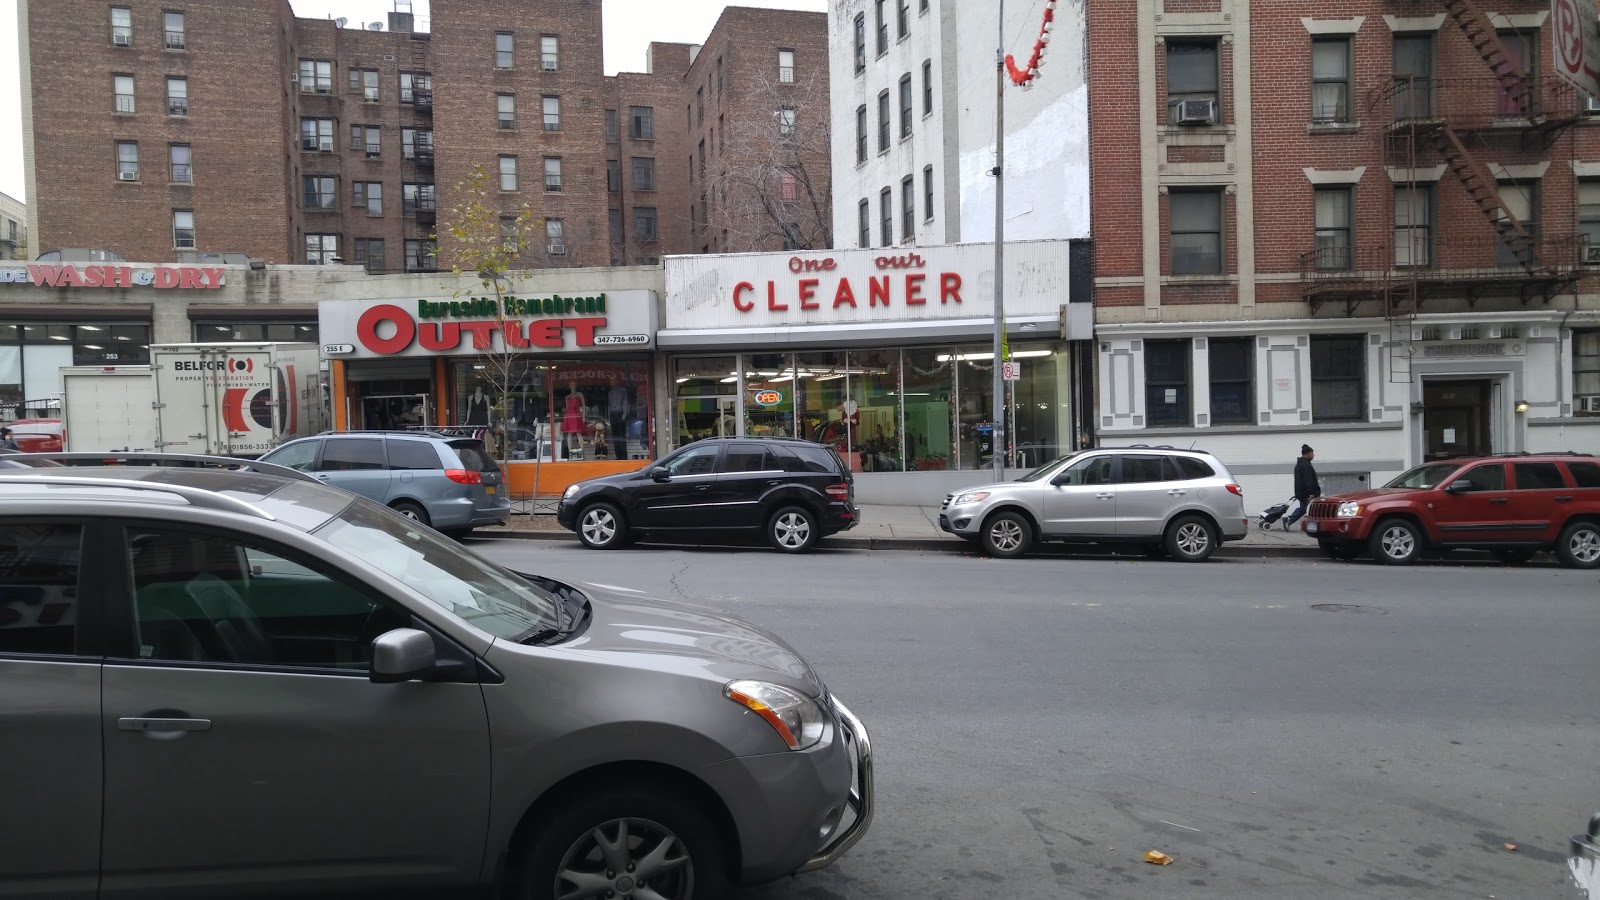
{"x":1511,"y":115}
{"x":420,"y":204}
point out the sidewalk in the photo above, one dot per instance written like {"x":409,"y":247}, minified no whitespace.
{"x":917,"y":528}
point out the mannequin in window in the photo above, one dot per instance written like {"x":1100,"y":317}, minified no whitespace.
{"x":617,"y":405}
{"x":478,"y":407}
{"x":572,"y":419}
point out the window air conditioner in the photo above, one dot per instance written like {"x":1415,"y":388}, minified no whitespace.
{"x":1589,"y":404}
{"x":1195,"y":112}
{"x":128,"y":176}
{"x":122,"y":40}
{"x":558,"y":249}
{"x":1591,"y":255}
{"x":549,"y":65}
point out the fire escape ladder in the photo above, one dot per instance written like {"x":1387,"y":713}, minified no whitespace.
{"x":1480,"y":186}
{"x":1481,"y":34}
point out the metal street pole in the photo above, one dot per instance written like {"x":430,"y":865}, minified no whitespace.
{"x":998,"y":435}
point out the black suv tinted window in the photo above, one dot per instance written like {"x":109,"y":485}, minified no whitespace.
{"x":1585,"y":474}
{"x":1191,"y":468}
{"x":1539,"y":477}
{"x":39,"y":588}
{"x":815,"y":458}
{"x":1141,"y":469}
{"x":404,"y":454}
{"x":694,"y":461}
{"x":345,"y":454}
{"x":748,"y":458}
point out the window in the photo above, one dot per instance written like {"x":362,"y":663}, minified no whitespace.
{"x":1522,"y":99}
{"x":786,"y":129}
{"x":883,"y":121}
{"x":316,"y":76}
{"x":366,"y":139}
{"x":1534,"y":476}
{"x":506,"y":110}
{"x":1413,"y":226}
{"x":316,"y":135}
{"x":1233,"y":364}
{"x":614,"y":226}
{"x":927,"y":193}
{"x":886,"y":217}
{"x":412,"y":455}
{"x":175,"y":34}
{"x":177,"y":96}
{"x":206,"y":597}
{"x":416,"y":144}
{"x":368,"y":195}
{"x":127,"y":161}
{"x":552,"y":174}
{"x":421,"y":256}
{"x":927,"y":87}
{"x":369,"y":252}
{"x":861,"y":41}
{"x":416,"y":88}
{"x":641,"y":123}
{"x":905,"y":106}
{"x":1589,"y":219}
{"x":414,"y":197}
{"x":1196,"y":231}
{"x":320,"y":192}
{"x":1092,"y":471}
{"x":183,"y":229}
{"x":508,"y":173}
{"x":365,"y":83}
{"x":883,"y":28}
{"x":1521,"y":201}
{"x":611,"y":126}
{"x":122,"y":90}
{"x":552,"y":112}
{"x":903,"y":20}
{"x":785,"y":66}
{"x":504,"y":47}
{"x":613,"y":175}
{"x":1166,"y":383}
{"x":644,"y":223}
{"x":555,"y":237}
{"x":510,"y":235}
{"x":1338,"y":377}
{"x":908,"y":208}
{"x":719,"y":77}
{"x":1330,"y":80}
{"x":322,"y":249}
{"x":121,"y":26}
{"x":1488,"y":477}
{"x":549,"y":52}
{"x":1586,"y":371}
{"x":39,"y":588}
{"x":749,"y":458}
{"x":1585,"y":474}
{"x":1146,"y":469}
{"x":722,"y":133}
{"x":702,"y":156}
{"x":1191,"y":75}
{"x":180,"y":157}
{"x":864,"y":224}
{"x":644,"y":173}
{"x":1413,"y":76}
{"x":1332,"y":213}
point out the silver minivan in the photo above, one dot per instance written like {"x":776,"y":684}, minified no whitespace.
{"x":1180,"y":503}
{"x":218,"y":683}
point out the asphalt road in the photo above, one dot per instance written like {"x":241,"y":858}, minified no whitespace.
{"x":1040,"y":724}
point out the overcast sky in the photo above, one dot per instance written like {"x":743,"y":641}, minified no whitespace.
{"x":630,"y":25}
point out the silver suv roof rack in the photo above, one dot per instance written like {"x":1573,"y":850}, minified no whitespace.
{"x":140,"y":458}
{"x":196,"y":497}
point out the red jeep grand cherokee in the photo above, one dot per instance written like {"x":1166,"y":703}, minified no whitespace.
{"x":1513,"y":505}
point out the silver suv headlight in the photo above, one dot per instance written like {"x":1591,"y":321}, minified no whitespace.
{"x":1349,"y":509}
{"x":796,"y":718}
{"x":971,"y":497}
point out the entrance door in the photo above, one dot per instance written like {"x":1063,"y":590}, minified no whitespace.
{"x":395,"y":412}
{"x":1456,"y":419}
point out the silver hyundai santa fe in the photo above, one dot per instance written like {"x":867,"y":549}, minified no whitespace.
{"x":224,"y":682}
{"x":1180,"y":503}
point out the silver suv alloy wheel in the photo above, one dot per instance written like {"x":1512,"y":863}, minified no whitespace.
{"x":1005,"y":535}
{"x":626,"y":858}
{"x":598,"y":526}
{"x":1192,"y":539}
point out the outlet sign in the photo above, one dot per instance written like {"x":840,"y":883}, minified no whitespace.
{"x":543,"y":324}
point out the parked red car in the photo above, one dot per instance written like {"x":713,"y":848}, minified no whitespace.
{"x":1514,"y":505}
{"x":38,"y":435}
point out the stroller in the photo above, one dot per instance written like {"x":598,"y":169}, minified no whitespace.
{"x":1272,"y":514}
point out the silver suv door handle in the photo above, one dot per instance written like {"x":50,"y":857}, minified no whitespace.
{"x":1176,"y":492}
{"x":1104,"y":496}
{"x":162,"y":729}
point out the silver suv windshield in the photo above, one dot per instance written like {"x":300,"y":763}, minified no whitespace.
{"x":1044,"y":470}
{"x":1425,"y":476}
{"x":453,"y":579}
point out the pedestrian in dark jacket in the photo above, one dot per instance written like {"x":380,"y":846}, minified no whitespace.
{"x":6,"y":442}
{"x":1306,"y":486}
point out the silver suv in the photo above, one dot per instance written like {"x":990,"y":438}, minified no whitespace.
{"x":236,"y":682}
{"x":1178,"y":502}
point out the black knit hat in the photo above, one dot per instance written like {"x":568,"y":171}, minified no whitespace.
{"x":1304,"y":449}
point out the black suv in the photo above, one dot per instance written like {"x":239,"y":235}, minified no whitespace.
{"x":791,"y":491}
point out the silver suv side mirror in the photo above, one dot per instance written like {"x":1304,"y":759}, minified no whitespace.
{"x":403,"y":654}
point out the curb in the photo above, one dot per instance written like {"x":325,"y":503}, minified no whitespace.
{"x":946,"y":545}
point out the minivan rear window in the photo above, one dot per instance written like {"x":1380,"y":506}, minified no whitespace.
{"x":474,"y":456}
{"x":412,"y":454}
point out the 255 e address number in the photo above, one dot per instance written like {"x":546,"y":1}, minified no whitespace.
{"x":622,"y":339}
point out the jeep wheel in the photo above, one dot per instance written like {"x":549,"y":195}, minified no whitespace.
{"x":1579,"y":546}
{"x":1191,"y":539}
{"x":601,"y":527}
{"x":1007,"y":535}
{"x":1396,"y":542}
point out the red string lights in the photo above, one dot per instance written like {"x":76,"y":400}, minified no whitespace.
{"x":1024,"y":76}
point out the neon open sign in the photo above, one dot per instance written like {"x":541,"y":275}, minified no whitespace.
{"x":767,"y":398}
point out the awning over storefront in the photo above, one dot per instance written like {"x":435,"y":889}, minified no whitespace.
{"x":868,"y":334}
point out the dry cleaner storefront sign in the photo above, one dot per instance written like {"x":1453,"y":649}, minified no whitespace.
{"x":470,"y":326}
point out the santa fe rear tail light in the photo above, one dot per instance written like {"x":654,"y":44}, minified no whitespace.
{"x":464,"y":476}
{"x":1235,"y":489}
{"x":839,"y":491}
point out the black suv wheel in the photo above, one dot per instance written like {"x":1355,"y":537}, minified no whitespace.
{"x":792,"y":529}
{"x":601,"y":527}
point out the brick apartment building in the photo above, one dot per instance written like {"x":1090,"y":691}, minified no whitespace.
{"x":1367,"y":226}
{"x":13,"y":227}
{"x":235,"y":127}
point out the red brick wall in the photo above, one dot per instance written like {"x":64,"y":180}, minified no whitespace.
{"x":662,"y":91}
{"x":1114,"y":113}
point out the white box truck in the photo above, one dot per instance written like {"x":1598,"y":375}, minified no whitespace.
{"x":108,"y":408}
{"x":228,"y":399}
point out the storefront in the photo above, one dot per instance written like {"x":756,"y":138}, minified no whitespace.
{"x":559,"y":385}
{"x":888,"y":358}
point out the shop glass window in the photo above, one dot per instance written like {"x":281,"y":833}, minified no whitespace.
{"x":1586,"y":372}
{"x":929,"y":397}
{"x":39,"y":567}
{"x":975,"y":409}
{"x":1338,"y":377}
{"x":703,"y":392}
{"x":1195,"y":226}
{"x":559,"y":410}
{"x":104,"y":344}
{"x":771,"y":391}
{"x":824,"y":411}
{"x":874,"y":407}
{"x":1166,"y":384}
{"x":1041,"y":430}
{"x":1233,"y":365}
